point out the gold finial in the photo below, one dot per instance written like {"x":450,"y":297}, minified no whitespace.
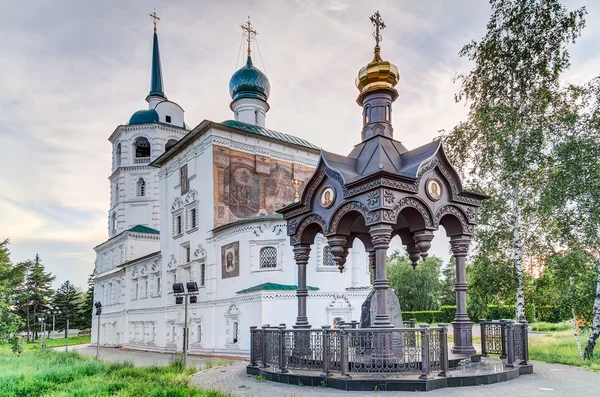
{"x":155,"y":19}
{"x":250,"y":33}
{"x":377,"y":21}
{"x":297,"y":184}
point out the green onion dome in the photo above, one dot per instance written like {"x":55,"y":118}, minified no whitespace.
{"x":144,"y":117}
{"x":249,"y":82}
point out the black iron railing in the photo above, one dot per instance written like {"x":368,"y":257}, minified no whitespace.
{"x":507,"y":338}
{"x":348,"y":350}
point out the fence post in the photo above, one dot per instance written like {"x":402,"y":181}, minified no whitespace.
{"x":503,"y":337}
{"x":412,"y":322}
{"x":326,"y":352}
{"x":425,"y":368}
{"x":510,"y":342}
{"x":443,"y":349}
{"x":264,"y":345}
{"x":344,"y":352}
{"x":525,"y":340}
{"x":253,"y":346}
{"x":483,"y":341}
{"x":281,"y":351}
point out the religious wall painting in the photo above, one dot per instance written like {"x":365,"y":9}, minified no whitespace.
{"x":230,"y":260}
{"x":433,"y":188}
{"x":244,"y":191}
{"x":327,"y":197}
{"x":279,"y":189}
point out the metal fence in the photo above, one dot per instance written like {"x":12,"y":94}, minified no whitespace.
{"x":348,"y":350}
{"x":507,"y":338}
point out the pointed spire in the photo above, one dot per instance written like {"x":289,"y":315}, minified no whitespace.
{"x":156,"y":82}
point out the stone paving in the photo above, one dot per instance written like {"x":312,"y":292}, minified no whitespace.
{"x":548,"y":380}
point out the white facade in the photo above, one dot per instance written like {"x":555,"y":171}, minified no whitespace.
{"x":137,"y":267}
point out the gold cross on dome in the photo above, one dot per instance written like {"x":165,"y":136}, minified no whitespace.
{"x":377,"y":21}
{"x":297,"y":184}
{"x":250,"y":33}
{"x":155,"y":19}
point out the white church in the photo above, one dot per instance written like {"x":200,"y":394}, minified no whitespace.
{"x":200,"y":205}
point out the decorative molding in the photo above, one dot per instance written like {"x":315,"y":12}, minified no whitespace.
{"x":369,"y":216}
{"x":176,"y":204}
{"x":458,"y":213}
{"x":415,"y":203}
{"x":314,"y":218}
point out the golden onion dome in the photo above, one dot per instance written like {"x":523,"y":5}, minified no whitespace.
{"x":377,"y":75}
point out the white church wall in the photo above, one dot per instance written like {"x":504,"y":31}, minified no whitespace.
{"x":170,"y":112}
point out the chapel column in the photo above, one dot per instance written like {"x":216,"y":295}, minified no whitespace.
{"x":380,"y":236}
{"x":301,"y":255}
{"x":462,"y":325}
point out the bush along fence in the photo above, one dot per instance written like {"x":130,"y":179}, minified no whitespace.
{"x":348,"y":351}
{"x":446,"y":314}
{"x":507,"y":338}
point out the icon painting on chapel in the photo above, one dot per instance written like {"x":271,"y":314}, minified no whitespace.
{"x":434,"y":189}
{"x":230,"y":260}
{"x":327,"y":197}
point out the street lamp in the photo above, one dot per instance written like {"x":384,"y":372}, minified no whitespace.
{"x":180,"y":295}
{"x":98,"y":306}
{"x":54,"y":311}
{"x":67,"y":317}
{"x":42,"y":321}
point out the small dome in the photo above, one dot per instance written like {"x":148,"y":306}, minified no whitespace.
{"x":249,"y":82}
{"x":144,"y":117}
{"x":378,"y":74}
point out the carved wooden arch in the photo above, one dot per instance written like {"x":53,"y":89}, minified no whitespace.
{"x":417,"y":204}
{"x":296,"y":235}
{"x":352,"y":206}
{"x":458,"y":213}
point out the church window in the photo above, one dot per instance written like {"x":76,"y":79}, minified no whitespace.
{"x":118,"y":155}
{"x":185,"y":253}
{"x":268,"y":258}
{"x":173,"y":335}
{"x":388,"y":112}
{"x":202,"y":274}
{"x":114,"y":222}
{"x":137,"y":289}
{"x":168,"y":119}
{"x":328,"y":256}
{"x":367,"y":114}
{"x":170,"y":144}
{"x":235,"y":331}
{"x":158,"y":286}
{"x":256,"y":117}
{"x":184,"y":182}
{"x":142,"y":147}
{"x":199,"y":336}
{"x":193,"y":218}
{"x":146,"y":289}
{"x":116,"y":192}
{"x":178,"y":225}
{"x":141,"y":187}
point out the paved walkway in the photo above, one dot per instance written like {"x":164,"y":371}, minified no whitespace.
{"x":548,"y":380}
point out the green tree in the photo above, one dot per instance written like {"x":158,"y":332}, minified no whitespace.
{"x":9,"y":321}
{"x":38,"y":290}
{"x":572,"y":196}
{"x":448,"y":277}
{"x":504,"y":143}
{"x":70,"y":300}
{"x":417,"y":289}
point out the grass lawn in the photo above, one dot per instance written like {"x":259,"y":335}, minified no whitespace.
{"x":560,"y":347}
{"x":59,"y":374}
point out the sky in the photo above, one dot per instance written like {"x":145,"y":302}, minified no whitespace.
{"x":72,"y":71}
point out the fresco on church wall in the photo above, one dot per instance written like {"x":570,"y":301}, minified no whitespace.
{"x":230,"y":260}
{"x":249,"y":185}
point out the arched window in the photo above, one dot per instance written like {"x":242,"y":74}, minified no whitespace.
{"x":268,"y":258}
{"x":388,"y":112}
{"x":118,"y":155}
{"x":141,"y":187}
{"x":142,"y":147}
{"x":114,"y":222}
{"x":367,"y":114}
{"x":235,"y":331}
{"x":199,"y":333}
{"x":328,"y":256}
{"x":170,"y":144}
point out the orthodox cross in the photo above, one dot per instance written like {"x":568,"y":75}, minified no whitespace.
{"x":156,"y":19}
{"x":297,"y":184}
{"x":250,"y":33}
{"x":379,"y":25}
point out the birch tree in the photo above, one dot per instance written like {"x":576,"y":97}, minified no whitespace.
{"x":510,"y":91}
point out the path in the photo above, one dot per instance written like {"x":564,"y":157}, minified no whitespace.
{"x":548,"y":380}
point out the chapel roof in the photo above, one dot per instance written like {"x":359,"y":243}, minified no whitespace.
{"x":274,"y":287}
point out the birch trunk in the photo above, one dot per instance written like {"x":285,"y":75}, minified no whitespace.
{"x":589,"y":348}
{"x":575,"y":334}
{"x":518,"y":254}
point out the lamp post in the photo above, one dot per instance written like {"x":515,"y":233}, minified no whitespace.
{"x":67,"y":332}
{"x":54,"y":311}
{"x":180,"y":295}
{"x":98,"y":306}
{"x":42,"y":321}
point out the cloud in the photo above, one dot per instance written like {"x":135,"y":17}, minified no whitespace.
{"x":72,"y":71}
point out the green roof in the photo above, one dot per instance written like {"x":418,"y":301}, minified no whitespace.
{"x":146,"y":116}
{"x":156,"y":81}
{"x":249,"y":82}
{"x":274,"y":287}
{"x":255,"y":129}
{"x":143,"y":229}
